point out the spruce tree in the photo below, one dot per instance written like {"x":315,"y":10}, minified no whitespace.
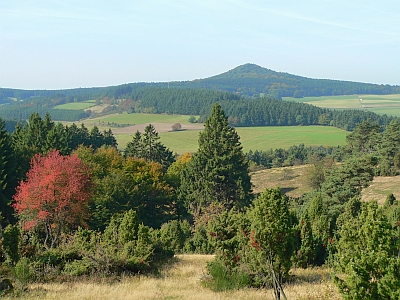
{"x":218,"y":172}
{"x":147,"y":145}
{"x":7,"y":173}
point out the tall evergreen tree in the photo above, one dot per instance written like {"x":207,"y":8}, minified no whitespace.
{"x":147,"y":145}
{"x":7,"y":172}
{"x":218,"y":172}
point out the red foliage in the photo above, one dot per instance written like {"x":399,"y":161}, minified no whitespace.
{"x":55,"y":193}
{"x":253,"y":241}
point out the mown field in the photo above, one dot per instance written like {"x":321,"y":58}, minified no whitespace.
{"x":182,"y":280}
{"x":380,"y":104}
{"x":76,"y":105}
{"x":252,"y":138}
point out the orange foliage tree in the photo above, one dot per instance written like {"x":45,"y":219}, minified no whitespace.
{"x":54,"y":196}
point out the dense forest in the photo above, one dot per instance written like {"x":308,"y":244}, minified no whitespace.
{"x":240,"y":111}
{"x":75,"y":207}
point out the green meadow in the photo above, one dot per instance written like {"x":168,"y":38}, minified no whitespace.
{"x":134,"y":119}
{"x":255,"y":138}
{"x":252,"y":138}
{"x":380,"y":104}
{"x":76,"y":105}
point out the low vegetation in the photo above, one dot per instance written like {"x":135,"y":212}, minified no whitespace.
{"x":86,"y":214}
{"x":181,"y":279}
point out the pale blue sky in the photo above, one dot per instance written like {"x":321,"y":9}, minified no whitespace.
{"x":52,"y":44}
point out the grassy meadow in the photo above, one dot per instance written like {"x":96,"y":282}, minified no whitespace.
{"x":135,"y":119}
{"x":380,"y":104}
{"x":182,"y":280}
{"x":75,"y":105}
{"x":254,"y":138}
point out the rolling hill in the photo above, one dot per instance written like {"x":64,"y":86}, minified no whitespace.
{"x":248,"y":80}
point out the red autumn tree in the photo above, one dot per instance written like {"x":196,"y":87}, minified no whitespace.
{"x":54,"y":196}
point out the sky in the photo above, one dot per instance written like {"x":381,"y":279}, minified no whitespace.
{"x":52,"y":44}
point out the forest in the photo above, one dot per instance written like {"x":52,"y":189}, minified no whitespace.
{"x":76,"y":207}
{"x":248,"y":80}
{"x":262,"y":111}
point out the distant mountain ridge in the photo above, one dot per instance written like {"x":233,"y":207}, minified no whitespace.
{"x":247,"y":80}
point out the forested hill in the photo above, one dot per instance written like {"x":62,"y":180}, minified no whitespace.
{"x":253,"y":80}
{"x":248,"y":80}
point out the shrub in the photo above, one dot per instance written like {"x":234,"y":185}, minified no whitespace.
{"x":174,"y":234}
{"x":223,"y":279}
{"x":10,"y":243}
{"x":176,"y":127}
{"x":23,"y":271}
{"x":78,"y":267}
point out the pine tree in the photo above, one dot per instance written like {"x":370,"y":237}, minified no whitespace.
{"x":7,"y":172}
{"x":147,"y":145}
{"x":218,"y":172}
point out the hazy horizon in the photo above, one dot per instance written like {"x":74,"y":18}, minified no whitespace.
{"x":52,"y":44}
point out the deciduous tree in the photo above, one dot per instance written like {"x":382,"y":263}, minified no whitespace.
{"x":54,"y":196}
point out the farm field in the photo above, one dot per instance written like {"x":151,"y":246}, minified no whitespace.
{"x":380,"y":104}
{"x":182,"y":280}
{"x":76,"y":105}
{"x":253,"y":138}
{"x":125,"y":125}
{"x":125,"y":119}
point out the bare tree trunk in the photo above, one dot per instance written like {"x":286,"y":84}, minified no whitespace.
{"x":278,"y":290}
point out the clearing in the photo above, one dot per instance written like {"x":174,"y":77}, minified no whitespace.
{"x":182,"y":280}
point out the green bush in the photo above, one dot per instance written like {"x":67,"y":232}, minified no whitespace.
{"x":174,"y":235}
{"x":23,"y":271}
{"x":10,"y":243}
{"x":78,"y":267}
{"x":223,"y":279}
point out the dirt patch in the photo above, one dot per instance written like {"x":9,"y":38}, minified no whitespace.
{"x":160,"y":127}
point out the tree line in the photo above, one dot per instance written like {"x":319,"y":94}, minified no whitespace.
{"x":264,"y":111}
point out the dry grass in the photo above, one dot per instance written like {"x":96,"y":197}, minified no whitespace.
{"x":290,"y":180}
{"x":380,"y":188}
{"x":293,"y":183}
{"x":181,"y":280}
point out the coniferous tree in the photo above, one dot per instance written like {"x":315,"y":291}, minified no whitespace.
{"x":7,"y":172}
{"x":147,"y":145}
{"x":367,"y":253}
{"x":218,"y":172}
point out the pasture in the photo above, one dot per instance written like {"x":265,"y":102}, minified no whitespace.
{"x":76,"y":105}
{"x":125,"y":125}
{"x":380,"y":104}
{"x":265,"y":138}
{"x":254,"y":138}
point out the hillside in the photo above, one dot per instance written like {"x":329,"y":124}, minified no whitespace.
{"x":246,"y":80}
{"x":253,"y":80}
